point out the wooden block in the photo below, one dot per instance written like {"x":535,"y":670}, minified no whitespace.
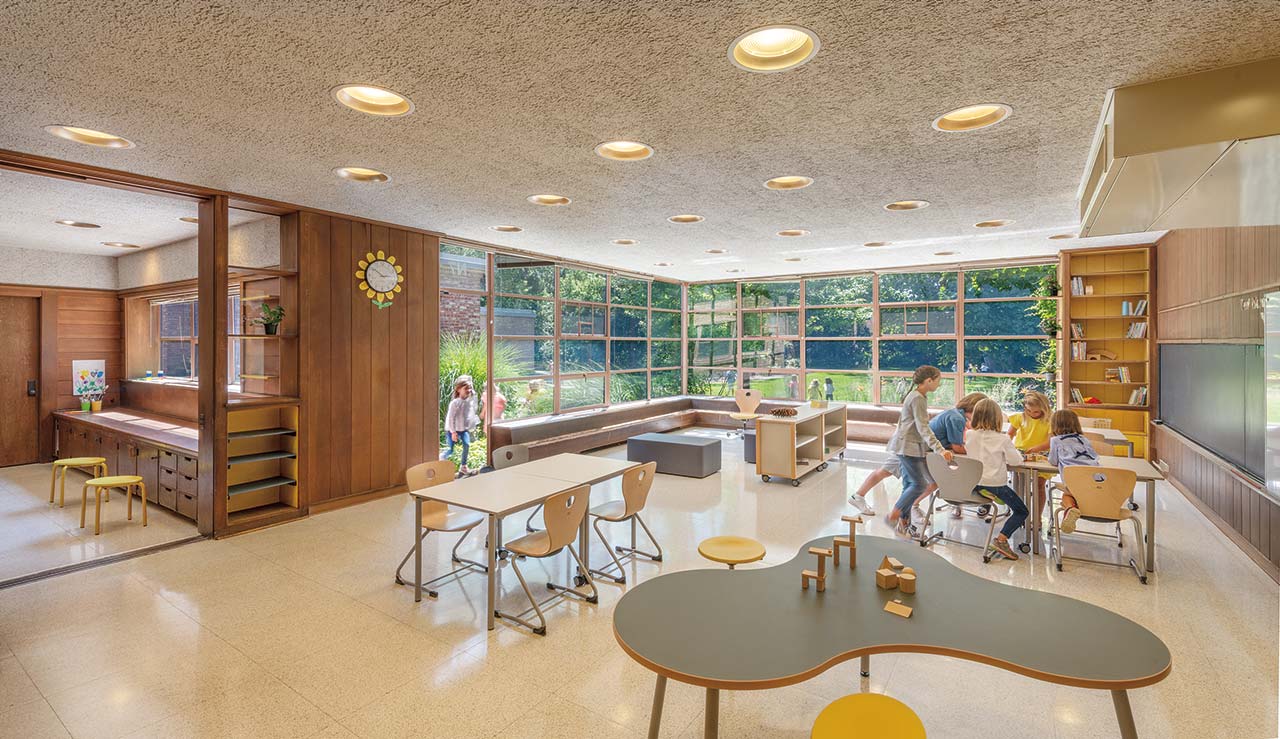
{"x":836,"y":545}
{"x":886,"y":579}
{"x":907,"y":582}
{"x":898,"y":609}
{"x":895,"y":564}
{"x":805,"y":577}
{"x":908,"y":571}
{"x":885,"y":564}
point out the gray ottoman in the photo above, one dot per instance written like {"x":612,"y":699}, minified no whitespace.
{"x":749,"y":447}
{"x":676,"y":454}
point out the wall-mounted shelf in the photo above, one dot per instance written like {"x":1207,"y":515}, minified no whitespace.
{"x":265,"y":271}
{"x":258,"y":298}
{"x":255,"y":433}
{"x":256,"y":485}
{"x":262,"y":336}
{"x":259,"y":457}
{"x":248,"y":376}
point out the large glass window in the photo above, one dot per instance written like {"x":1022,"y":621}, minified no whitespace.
{"x":839,"y":322}
{"x":581,"y":285}
{"x":851,"y":290}
{"x":1000,"y":304}
{"x":770,"y":294}
{"x":917,"y":287}
{"x":838,"y":355}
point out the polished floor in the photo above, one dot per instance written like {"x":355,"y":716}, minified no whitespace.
{"x":35,"y":536}
{"x":299,"y":631}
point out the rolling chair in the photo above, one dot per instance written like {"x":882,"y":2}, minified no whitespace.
{"x":956,"y":482}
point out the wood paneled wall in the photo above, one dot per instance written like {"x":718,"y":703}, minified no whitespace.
{"x":368,"y":375}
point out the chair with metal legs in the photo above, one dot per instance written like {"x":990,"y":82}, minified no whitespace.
{"x":510,"y":456}
{"x":563,"y":513}
{"x":1100,"y":494}
{"x":439,"y":517}
{"x":956,"y":482}
{"x":748,"y":401}
{"x":636,"y":484}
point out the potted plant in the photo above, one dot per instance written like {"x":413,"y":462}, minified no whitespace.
{"x":270,"y":318}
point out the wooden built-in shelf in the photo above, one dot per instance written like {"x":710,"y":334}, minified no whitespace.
{"x":254,"y":485}
{"x":257,"y":433}
{"x":1109,"y":361}
{"x":1109,"y":295}
{"x":257,"y":298}
{"x":262,"y":400}
{"x":262,"y":336}
{"x":259,"y":457}
{"x":1104,"y":382}
{"x":268,"y":271}
{"x":1097,"y":318}
{"x":248,"y":376}
{"x":1108,"y":274}
{"x":1109,"y":406}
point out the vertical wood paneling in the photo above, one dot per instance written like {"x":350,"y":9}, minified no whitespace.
{"x":361,"y":370}
{"x":341,"y":281}
{"x":414,"y":302}
{"x":380,"y":457}
{"x":316,"y":353}
{"x":400,"y":413}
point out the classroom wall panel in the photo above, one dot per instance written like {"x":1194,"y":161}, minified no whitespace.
{"x":367,"y":377}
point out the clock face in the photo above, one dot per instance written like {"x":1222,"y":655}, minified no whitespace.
{"x":381,"y":276}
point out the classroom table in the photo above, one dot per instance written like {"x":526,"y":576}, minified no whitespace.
{"x":502,"y":492}
{"x":757,"y":629}
{"x":1115,"y":437}
{"x":1026,"y":473}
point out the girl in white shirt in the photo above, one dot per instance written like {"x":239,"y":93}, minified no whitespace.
{"x":986,"y":443}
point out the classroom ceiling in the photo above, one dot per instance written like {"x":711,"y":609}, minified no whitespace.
{"x":31,"y":205}
{"x":512,"y":97}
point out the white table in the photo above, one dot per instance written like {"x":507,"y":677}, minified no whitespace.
{"x":502,"y":492}
{"x":1114,"y":437}
{"x":1026,"y":474}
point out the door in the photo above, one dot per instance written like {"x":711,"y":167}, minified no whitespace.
{"x":19,"y":377}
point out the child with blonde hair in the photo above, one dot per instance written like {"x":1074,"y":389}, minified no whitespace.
{"x":1030,"y":433}
{"x":985,"y":443}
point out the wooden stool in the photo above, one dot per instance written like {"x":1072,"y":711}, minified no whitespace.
{"x":731,"y":550}
{"x":867,"y":715}
{"x":102,"y":485}
{"x":91,"y":464}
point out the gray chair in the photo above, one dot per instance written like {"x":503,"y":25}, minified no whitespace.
{"x":437,"y":516}
{"x":636,"y":484}
{"x":956,"y":482}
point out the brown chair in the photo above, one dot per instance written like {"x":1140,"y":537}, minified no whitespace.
{"x":748,"y":401}
{"x":510,"y":456}
{"x":1100,"y":492}
{"x":1100,"y":444}
{"x":636,"y":484}
{"x":437,"y":516}
{"x":563,"y":513}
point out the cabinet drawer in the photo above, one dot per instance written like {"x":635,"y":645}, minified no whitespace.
{"x":168,"y":460}
{"x":186,"y":484}
{"x":187,"y":505}
{"x":169,"y":478}
{"x":168,"y":498}
{"x":187,"y":465}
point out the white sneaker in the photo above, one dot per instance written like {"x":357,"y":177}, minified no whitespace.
{"x":860,"y":502}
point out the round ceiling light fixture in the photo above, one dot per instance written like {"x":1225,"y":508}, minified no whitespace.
{"x":360,"y":174}
{"x":373,"y":100}
{"x":945,"y":253}
{"x":624,"y":242}
{"x":120,"y":245}
{"x":717,"y":251}
{"x":624,"y":151}
{"x":773,"y":48}
{"x":1059,"y":237}
{"x":907,"y":205}
{"x":972,"y":117}
{"x":189,"y":219}
{"x":89,"y":137}
{"x":876,"y":243}
{"x":76,"y":224}
{"x":686,"y":218}
{"x":663,"y":264}
{"x":793,"y":232}
{"x":994,"y":223}
{"x":788,"y":182}
{"x":507,"y":229}
{"x":550,"y":200}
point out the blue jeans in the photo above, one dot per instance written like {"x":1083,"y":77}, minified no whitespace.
{"x":464,"y":439}
{"x":1017,"y":509}
{"x":915,"y":479}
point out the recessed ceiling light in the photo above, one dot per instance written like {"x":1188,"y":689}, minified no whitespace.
{"x":90,"y":137}
{"x":373,"y":100}
{"x":793,"y":232}
{"x":997,"y":223}
{"x":972,"y":117}
{"x":773,"y":48}
{"x":548,"y":200}
{"x":717,"y":251}
{"x":1057,"y":237}
{"x":907,"y":205}
{"x":507,"y":229}
{"x":686,"y":218}
{"x":360,"y":174}
{"x":735,"y":270}
{"x":662,"y":264}
{"x":945,"y":253}
{"x":788,"y":182}
{"x":120,"y":245}
{"x":189,"y":219}
{"x":876,"y":243}
{"x":793,"y":259}
{"x":624,"y":151}
{"x":624,"y":242}
{"x":77,"y":224}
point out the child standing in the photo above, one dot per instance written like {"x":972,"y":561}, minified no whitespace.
{"x":459,"y":420}
{"x":996,"y":452}
{"x":912,"y":441}
{"x":830,"y":388}
{"x":815,"y":391}
{"x":1068,"y":447}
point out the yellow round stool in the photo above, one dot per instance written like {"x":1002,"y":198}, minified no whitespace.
{"x":731,"y":550}
{"x":95,"y":466}
{"x":102,"y":485}
{"x":867,"y":716}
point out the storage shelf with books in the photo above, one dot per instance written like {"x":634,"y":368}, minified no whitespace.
{"x":1109,"y":367}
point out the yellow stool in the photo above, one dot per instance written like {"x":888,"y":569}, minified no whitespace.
{"x":91,"y":464}
{"x":867,"y":716}
{"x":731,"y":550}
{"x":102,"y":485}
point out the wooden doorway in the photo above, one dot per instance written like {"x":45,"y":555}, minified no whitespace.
{"x":19,"y":380}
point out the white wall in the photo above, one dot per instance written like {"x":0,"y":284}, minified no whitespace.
{"x":56,"y":269}
{"x":253,"y":244}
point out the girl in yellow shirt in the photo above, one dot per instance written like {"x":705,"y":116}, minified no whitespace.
{"x":1030,"y":433}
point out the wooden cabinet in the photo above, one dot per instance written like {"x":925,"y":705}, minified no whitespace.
{"x":142,"y":460}
{"x":105,"y":444}
{"x":792,"y":446}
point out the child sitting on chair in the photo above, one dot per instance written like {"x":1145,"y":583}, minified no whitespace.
{"x":1068,"y":447}
{"x":996,"y":452}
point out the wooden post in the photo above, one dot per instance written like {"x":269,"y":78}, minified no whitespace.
{"x":851,"y":543}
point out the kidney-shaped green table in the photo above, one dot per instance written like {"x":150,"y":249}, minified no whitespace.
{"x":757,"y":629}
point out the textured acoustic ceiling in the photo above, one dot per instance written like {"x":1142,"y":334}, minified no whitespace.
{"x":512,"y":97}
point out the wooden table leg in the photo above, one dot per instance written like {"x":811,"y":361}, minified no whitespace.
{"x":655,"y":713}
{"x":1124,"y":714}
{"x":84,"y":501}
{"x":492,"y":562}
{"x":417,"y":549}
{"x":142,"y":488}
{"x":1151,"y":526}
{"x":711,"y":723}
{"x":62,"y":489}
{"x":97,"y":511}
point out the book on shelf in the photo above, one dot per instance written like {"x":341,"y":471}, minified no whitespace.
{"x":1141,"y":308}
{"x":1136,"y":330}
{"x":1138,"y":396}
{"x":1076,"y":395}
{"x":1077,"y":286}
{"x":1077,"y":330}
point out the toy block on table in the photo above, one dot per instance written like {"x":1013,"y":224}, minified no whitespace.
{"x":851,"y":543}
{"x":820,"y":576}
{"x":907,"y":581}
{"x":886,"y":578}
{"x":898,"y":609}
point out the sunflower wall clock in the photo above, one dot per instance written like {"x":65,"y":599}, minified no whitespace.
{"x":380,"y":278}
